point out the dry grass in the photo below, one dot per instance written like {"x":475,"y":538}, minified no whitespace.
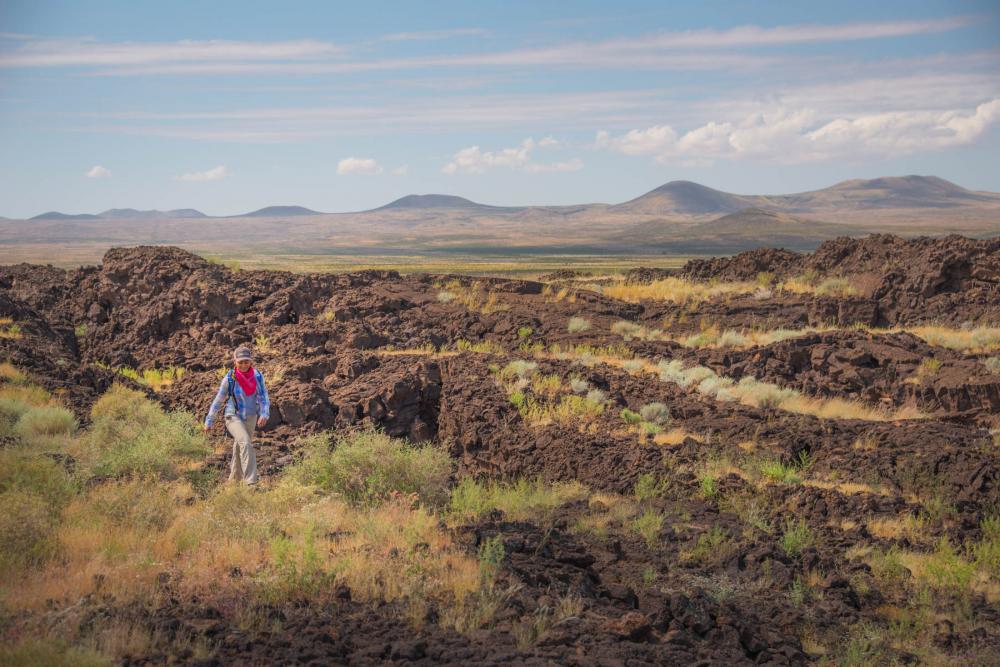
{"x":474,"y":297}
{"x":9,"y":329}
{"x":975,"y":340}
{"x":677,"y":290}
{"x":154,"y":378}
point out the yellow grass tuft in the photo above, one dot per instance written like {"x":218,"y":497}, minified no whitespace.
{"x":678,"y":290}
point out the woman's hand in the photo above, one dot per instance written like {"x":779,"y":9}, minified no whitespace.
{"x":261,"y":421}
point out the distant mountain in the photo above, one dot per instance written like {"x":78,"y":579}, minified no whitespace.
{"x":894,"y":192}
{"x":438,"y":201}
{"x":279,"y":211}
{"x":133,"y":214}
{"x":684,"y":198}
{"x":687,"y":198}
{"x":56,"y":215}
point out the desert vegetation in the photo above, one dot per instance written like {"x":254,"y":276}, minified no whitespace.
{"x":463,"y":470}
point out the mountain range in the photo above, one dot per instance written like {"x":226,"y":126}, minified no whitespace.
{"x":679,"y":217}
{"x":676,"y":198}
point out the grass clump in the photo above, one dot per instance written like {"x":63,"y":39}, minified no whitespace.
{"x":630,"y":417}
{"x":992,"y":364}
{"x":444,"y":296}
{"x":366,"y":468}
{"x":648,"y":525}
{"x":43,"y":422}
{"x":520,"y":369}
{"x":648,"y":486}
{"x":577,"y":324}
{"x":154,"y":378}
{"x":51,"y":653}
{"x":655,"y":413}
{"x":713,"y":546}
{"x":520,"y":500}
{"x":33,"y":492}
{"x":579,"y":386}
{"x":796,"y":537}
{"x":131,"y":435}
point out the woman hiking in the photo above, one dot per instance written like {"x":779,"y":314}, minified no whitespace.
{"x":247,"y":406}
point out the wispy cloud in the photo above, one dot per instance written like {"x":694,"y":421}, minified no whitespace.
{"x":97,"y":171}
{"x":474,"y":160}
{"x":686,"y":50}
{"x":216,"y":174}
{"x":358,"y":166}
{"x":90,"y":52}
{"x":432,"y":35}
{"x":401,"y":170}
{"x":798,"y":135}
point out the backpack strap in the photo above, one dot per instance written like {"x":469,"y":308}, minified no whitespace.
{"x":232,"y":390}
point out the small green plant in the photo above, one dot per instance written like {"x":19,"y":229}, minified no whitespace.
{"x":796,"y":537}
{"x":929,"y":367}
{"x":947,"y":570}
{"x":630,"y":417}
{"x":519,"y":368}
{"x":648,"y":525}
{"x":779,"y":472}
{"x":518,"y":400}
{"x":655,"y":413}
{"x":708,"y":486}
{"x":45,"y":421}
{"x":597,"y":396}
{"x":713,"y":546}
{"x":986,"y":551}
{"x":263,"y":343}
{"x":992,"y":364}
{"x":491,"y":557}
{"x":80,"y":330}
{"x":648,"y":486}
{"x":579,"y":386}
{"x":523,"y":499}
{"x":524,"y":332}
{"x":577,"y":325}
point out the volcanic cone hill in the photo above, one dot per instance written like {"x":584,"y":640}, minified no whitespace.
{"x":771,"y":458}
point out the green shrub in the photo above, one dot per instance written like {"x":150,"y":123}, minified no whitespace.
{"x":630,"y":417}
{"x":366,"y":467}
{"x":36,"y":475}
{"x":712,"y":547}
{"x":777,"y":471}
{"x":708,"y":486}
{"x":797,"y":536}
{"x":45,"y":421}
{"x":577,"y":324}
{"x":648,"y":525}
{"x":947,"y":570}
{"x":648,"y":486}
{"x":491,"y":555}
{"x":519,"y":368}
{"x":655,"y":413}
{"x":987,"y":550}
{"x":579,"y":386}
{"x":518,"y":399}
{"x":524,"y":332}
{"x":131,"y":435}
{"x":27,"y":531}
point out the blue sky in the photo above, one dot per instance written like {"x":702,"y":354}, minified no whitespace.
{"x":230,"y":106}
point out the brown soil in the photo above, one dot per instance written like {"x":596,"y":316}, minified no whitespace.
{"x":344,"y":351}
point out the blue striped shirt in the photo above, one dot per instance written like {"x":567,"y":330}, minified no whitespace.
{"x":263,"y":402}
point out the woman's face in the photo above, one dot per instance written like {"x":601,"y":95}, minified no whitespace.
{"x":243,"y":364}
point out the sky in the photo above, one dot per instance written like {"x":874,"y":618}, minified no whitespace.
{"x":342,"y":106}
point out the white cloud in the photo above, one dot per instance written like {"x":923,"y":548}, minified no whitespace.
{"x":401,"y":170}
{"x":427,"y":35}
{"x":678,"y":50}
{"x":358,"y":166}
{"x":216,"y":174}
{"x":801,"y":135}
{"x":474,"y":160}
{"x":90,"y":52}
{"x":97,"y":171}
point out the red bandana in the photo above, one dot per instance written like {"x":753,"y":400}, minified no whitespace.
{"x":248,"y":380}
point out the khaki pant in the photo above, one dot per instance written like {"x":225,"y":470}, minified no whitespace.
{"x":244,"y":464}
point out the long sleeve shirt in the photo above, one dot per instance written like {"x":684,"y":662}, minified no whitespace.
{"x":232,"y":394}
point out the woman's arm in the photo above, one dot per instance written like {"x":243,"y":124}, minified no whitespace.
{"x":220,"y":398}
{"x":263,"y":401}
